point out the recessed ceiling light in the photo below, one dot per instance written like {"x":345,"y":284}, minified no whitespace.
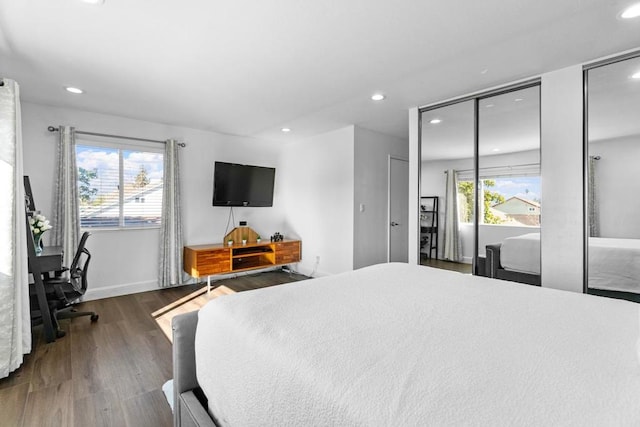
{"x":285,"y":130}
{"x":518,"y":99}
{"x":495,"y":150}
{"x":636,"y":75}
{"x":73,"y":89}
{"x":96,"y":2}
{"x":435,"y":121}
{"x":489,"y":106}
{"x":377,"y":97}
{"x":632,"y":11}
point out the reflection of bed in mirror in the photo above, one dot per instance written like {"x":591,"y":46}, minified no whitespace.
{"x":516,"y":259}
{"x":614,"y":264}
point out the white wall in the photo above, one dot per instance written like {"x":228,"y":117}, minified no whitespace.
{"x":372,"y":151}
{"x":125,"y":261}
{"x":562,"y":234}
{"x":316,"y":176}
{"x":617,"y":186}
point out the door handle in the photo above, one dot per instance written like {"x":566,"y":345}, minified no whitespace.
{"x":393,"y":223}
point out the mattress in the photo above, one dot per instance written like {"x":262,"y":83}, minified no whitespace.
{"x":398,"y":344}
{"x":614,"y":264}
{"x":521,"y":253}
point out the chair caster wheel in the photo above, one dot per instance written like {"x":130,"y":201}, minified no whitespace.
{"x":94,"y":317}
{"x":60,"y":333}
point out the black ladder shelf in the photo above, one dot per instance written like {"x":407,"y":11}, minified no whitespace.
{"x":429,"y":226}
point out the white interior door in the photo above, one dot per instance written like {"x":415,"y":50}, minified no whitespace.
{"x":398,"y":210}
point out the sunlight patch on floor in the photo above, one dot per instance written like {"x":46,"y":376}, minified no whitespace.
{"x":192,"y":302}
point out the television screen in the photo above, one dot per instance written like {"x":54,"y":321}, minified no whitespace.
{"x":242,"y":185}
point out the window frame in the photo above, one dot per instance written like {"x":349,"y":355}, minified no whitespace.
{"x":140,"y":146}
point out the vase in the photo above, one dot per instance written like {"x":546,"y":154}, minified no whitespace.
{"x":37,"y":244}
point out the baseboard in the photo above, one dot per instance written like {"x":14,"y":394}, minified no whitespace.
{"x":118,"y":290}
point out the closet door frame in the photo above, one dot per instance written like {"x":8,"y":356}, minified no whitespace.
{"x":585,"y":152}
{"x":476,"y":97}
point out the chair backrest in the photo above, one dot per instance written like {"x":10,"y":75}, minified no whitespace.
{"x":78,"y":275}
{"x":81,"y":245}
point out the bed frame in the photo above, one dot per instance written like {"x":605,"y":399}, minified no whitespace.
{"x":494,"y":269}
{"x":189,"y":403}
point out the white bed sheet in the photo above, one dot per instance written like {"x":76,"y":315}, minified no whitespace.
{"x":397,"y":344}
{"x":614,"y":264}
{"x":521,"y":253}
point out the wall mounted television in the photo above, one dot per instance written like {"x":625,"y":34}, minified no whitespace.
{"x":242,"y":185}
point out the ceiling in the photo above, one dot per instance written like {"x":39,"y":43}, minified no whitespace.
{"x":507,"y":123}
{"x":251,"y":67}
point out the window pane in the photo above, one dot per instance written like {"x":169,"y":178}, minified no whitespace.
{"x":98,"y":192}
{"x":142,"y":173}
{"x":513,"y":200}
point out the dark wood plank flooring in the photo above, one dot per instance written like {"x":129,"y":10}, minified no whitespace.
{"x":108,"y":373}
{"x":447,"y":265}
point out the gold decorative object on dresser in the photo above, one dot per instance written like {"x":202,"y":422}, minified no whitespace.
{"x":220,"y":258}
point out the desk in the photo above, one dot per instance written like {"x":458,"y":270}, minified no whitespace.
{"x":49,"y":260}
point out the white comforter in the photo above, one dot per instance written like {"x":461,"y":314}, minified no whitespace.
{"x":614,"y":264}
{"x":401,"y":345}
{"x":521,"y":253}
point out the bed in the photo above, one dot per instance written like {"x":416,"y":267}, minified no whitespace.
{"x":398,"y":344}
{"x":614,"y":264}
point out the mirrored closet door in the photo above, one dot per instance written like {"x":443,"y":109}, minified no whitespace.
{"x":446,"y":187}
{"x":611,"y":179}
{"x":509,"y":187}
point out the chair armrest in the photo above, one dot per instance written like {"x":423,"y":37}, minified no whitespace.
{"x":493,"y":260}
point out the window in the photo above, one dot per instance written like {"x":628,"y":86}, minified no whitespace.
{"x":507,"y":200}
{"x":119,"y":186}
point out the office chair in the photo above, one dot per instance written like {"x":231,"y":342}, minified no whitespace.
{"x":63,"y":293}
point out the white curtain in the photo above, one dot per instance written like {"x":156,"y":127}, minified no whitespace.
{"x":15,"y":321}
{"x":170,"y":265}
{"x":66,"y":215}
{"x":594,"y":210}
{"x":452,"y":246}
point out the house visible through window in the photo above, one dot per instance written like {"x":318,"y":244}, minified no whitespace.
{"x":506,"y":200}
{"x":119,"y":186}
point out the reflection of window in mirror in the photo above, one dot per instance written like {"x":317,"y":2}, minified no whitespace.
{"x":612,"y":187}
{"x":509,"y":185}
{"x":447,"y":152}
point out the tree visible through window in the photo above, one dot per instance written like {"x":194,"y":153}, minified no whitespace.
{"x":512,"y":200}
{"x":119,"y":187}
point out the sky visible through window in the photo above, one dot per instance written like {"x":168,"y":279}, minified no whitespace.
{"x":525,"y":187}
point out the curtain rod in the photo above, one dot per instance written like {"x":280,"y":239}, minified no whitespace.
{"x":55,"y":129}
{"x":499,"y":167}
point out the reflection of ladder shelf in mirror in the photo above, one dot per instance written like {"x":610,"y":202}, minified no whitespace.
{"x":429,"y":226}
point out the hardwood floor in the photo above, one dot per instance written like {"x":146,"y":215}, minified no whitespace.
{"x":110,"y":373}
{"x":447,"y":265}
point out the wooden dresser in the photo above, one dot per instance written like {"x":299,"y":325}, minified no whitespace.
{"x":208,"y":260}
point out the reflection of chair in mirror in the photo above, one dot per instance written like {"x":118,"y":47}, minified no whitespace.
{"x":63,"y":293}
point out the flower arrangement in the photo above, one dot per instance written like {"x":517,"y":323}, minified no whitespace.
{"x":39,"y":224}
